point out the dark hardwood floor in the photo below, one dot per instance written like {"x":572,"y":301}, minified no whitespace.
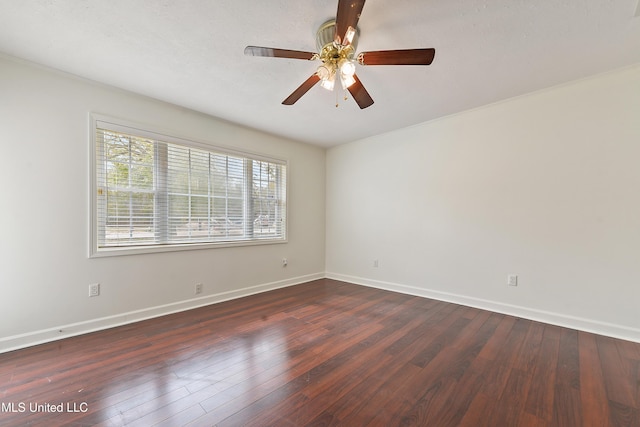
{"x":326,"y":353}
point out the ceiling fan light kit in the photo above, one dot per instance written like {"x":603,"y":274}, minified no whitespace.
{"x":336,"y":42}
{"x":337,"y":59}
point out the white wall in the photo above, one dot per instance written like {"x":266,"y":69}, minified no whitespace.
{"x":546,"y":186}
{"x":44,"y":266}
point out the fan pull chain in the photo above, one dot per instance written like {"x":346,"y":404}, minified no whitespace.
{"x":345,"y":98}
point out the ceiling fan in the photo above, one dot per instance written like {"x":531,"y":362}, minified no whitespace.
{"x":336,"y":42}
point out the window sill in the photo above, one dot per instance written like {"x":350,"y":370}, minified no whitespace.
{"x":150,"y":249}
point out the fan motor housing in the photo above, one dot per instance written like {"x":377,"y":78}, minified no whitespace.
{"x":326,"y":33}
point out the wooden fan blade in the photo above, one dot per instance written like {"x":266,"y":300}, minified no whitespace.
{"x":301,"y":90}
{"x":398,"y":57}
{"x":347,"y":16}
{"x":277,"y":53}
{"x":360,"y":94}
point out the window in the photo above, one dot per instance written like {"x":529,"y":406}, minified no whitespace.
{"x":156,"y":192}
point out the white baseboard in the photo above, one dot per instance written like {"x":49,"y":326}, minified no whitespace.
{"x":16,"y":342}
{"x":29,"y":339}
{"x":581,"y":324}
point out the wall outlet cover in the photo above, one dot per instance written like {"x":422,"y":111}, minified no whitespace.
{"x":94,"y":289}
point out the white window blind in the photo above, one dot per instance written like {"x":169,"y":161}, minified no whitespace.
{"x":155,"y":191}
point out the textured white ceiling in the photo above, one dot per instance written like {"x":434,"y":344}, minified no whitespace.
{"x":190,"y":53}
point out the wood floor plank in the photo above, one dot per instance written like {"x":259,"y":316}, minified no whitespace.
{"x":622,"y":415}
{"x":509,"y":407}
{"x":478,"y":412}
{"x":327,"y":353}
{"x":567,"y":388}
{"x":568,"y":369}
{"x":615,"y":368}
{"x":593,"y":396}
{"x":527,"y":357}
{"x":541,"y":393}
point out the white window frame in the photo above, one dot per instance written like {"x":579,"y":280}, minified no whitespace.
{"x":145,"y":131}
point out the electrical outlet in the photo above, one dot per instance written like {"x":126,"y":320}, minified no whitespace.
{"x":512,"y":280}
{"x":198,"y":288}
{"x":285,"y":262}
{"x":375,"y":263}
{"x":94,"y":289}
